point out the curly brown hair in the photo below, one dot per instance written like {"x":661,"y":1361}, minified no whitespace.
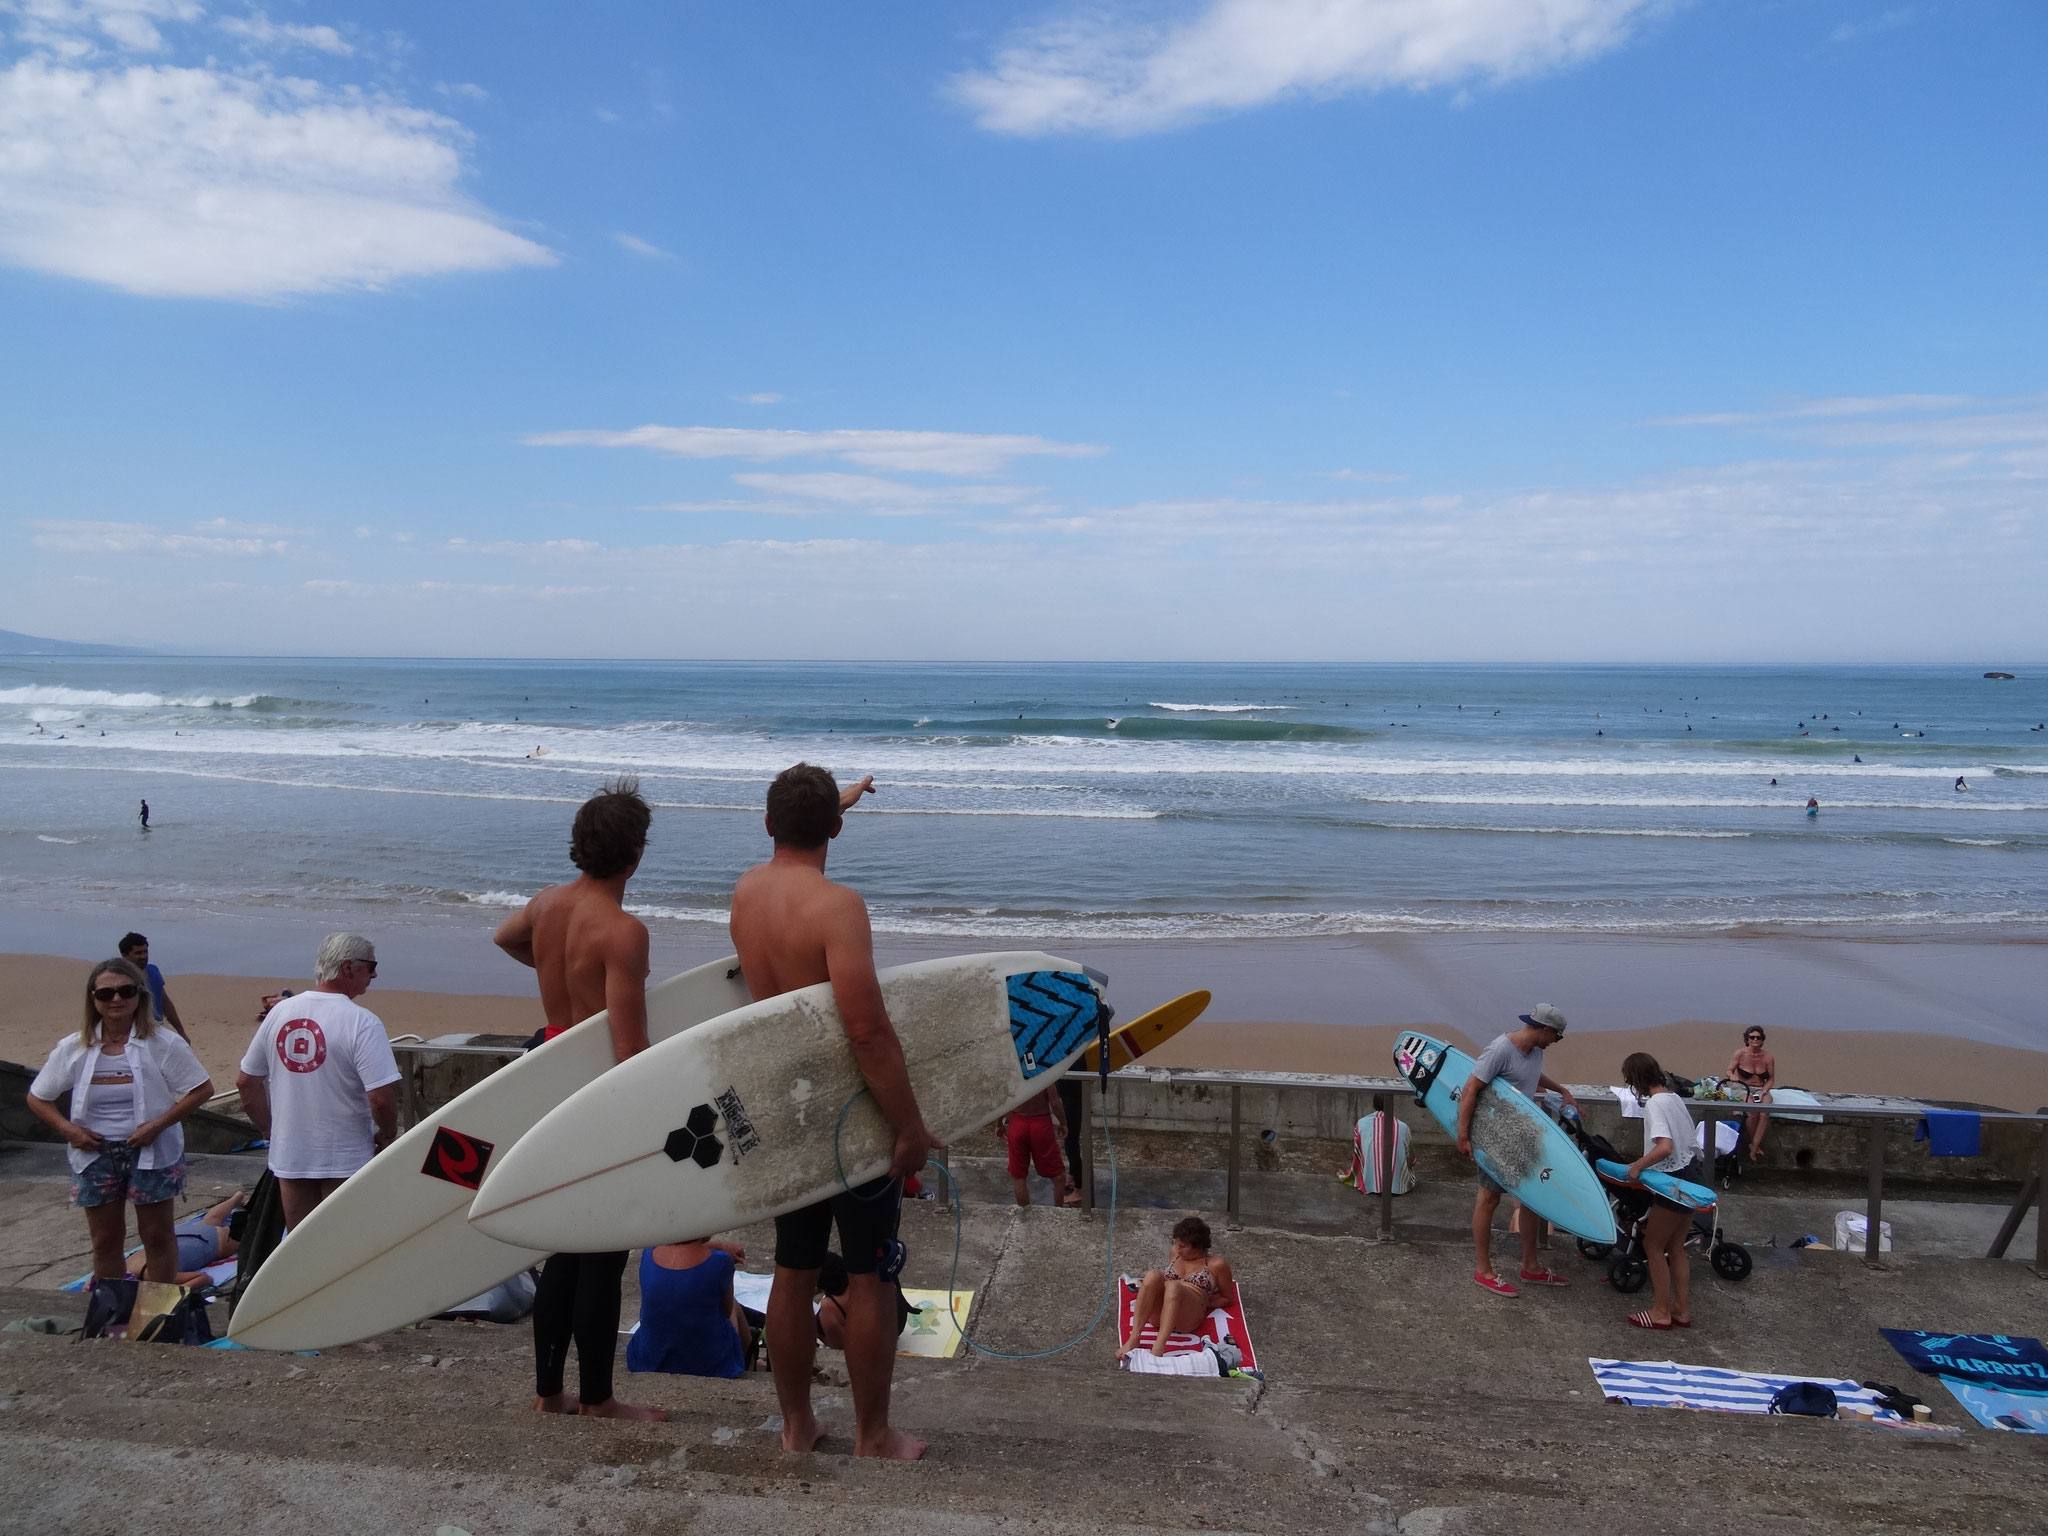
{"x":610,"y":832}
{"x":1193,"y":1231}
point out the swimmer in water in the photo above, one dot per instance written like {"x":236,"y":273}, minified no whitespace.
{"x":1812,"y":806}
{"x":1961,"y":784}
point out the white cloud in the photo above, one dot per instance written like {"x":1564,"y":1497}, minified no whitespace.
{"x":764,"y":397}
{"x":878,"y":495}
{"x":641,"y":247}
{"x":206,"y":182}
{"x":259,"y":31}
{"x":91,"y":538}
{"x":1101,"y":70}
{"x":1949,"y":423}
{"x":938,"y":453}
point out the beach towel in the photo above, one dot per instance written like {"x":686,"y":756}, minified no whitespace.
{"x":2000,"y":1407}
{"x":1726,"y":1135}
{"x":1989,"y":1359}
{"x":1223,"y":1325}
{"x":1367,"y":1149}
{"x":926,"y":1333}
{"x":1780,"y":1097}
{"x":1667,"y":1384}
{"x":1631,"y":1105}
{"x":1951,"y":1133}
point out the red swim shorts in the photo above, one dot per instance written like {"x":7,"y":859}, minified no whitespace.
{"x":1032,"y":1141}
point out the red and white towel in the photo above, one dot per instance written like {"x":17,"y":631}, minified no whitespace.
{"x":1187,"y":1354}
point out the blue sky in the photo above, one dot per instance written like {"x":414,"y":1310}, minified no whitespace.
{"x":1379,"y":330}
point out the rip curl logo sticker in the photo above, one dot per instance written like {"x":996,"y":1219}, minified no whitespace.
{"x":301,"y":1046}
{"x":457,"y":1158}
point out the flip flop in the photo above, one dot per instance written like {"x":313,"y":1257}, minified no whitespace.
{"x":1645,"y":1320}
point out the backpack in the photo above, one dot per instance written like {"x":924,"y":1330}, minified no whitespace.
{"x":108,"y":1306}
{"x":1807,"y":1397}
{"x":185,"y":1323}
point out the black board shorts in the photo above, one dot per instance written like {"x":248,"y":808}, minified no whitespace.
{"x":866,"y":1217}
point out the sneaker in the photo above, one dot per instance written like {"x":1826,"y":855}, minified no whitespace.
{"x":1543,"y":1277}
{"x":1493,"y":1283}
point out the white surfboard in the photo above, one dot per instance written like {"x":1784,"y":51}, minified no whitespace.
{"x":391,"y":1245}
{"x":735,"y":1121}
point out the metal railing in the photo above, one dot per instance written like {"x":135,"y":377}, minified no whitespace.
{"x":1385,"y":1090}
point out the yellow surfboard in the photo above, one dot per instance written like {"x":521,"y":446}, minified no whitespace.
{"x":1146,"y":1031}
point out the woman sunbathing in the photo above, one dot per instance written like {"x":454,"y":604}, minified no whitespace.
{"x":1180,"y":1297}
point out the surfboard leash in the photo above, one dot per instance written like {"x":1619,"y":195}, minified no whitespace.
{"x":953,"y":1279}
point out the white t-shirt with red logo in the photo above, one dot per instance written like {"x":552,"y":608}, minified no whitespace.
{"x":320,"y":1054}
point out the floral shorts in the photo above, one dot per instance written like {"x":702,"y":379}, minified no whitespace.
{"x":113,"y":1176}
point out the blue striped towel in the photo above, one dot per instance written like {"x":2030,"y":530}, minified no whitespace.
{"x":1667,"y":1384}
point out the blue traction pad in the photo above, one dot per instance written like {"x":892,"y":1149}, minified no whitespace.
{"x":1052,"y":1017}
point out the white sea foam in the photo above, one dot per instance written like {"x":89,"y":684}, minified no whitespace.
{"x":1221,"y":709}
{"x":68,"y":842}
{"x":100,"y":698}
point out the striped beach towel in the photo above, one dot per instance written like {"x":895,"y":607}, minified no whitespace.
{"x":1667,"y":1384}
{"x":1367,"y":1148}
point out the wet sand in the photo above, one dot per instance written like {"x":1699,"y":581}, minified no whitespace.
{"x":41,"y":995}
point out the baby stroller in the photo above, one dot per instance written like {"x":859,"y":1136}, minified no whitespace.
{"x":1627,"y":1269}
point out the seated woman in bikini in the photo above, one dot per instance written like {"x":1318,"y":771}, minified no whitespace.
{"x":1180,"y":1297}
{"x":1756,"y":1069}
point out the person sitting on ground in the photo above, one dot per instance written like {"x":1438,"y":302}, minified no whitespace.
{"x":1755,"y":1070}
{"x":131,"y":1086}
{"x":1667,"y":1148}
{"x":1518,"y":1057}
{"x":1180,"y":1297}
{"x":1034,"y":1130}
{"x":203,"y":1238}
{"x":690,"y":1323}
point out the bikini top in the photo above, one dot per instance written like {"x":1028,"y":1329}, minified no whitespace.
{"x":1201,"y":1279}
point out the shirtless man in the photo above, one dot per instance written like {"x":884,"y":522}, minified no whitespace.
{"x":592,"y":958}
{"x":794,"y":928}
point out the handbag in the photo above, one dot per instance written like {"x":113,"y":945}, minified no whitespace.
{"x":1807,"y":1397}
{"x":109,"y":1306}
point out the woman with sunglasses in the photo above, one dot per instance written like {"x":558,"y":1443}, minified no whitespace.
{"x":1755,"y":1071}
{"x":131,"y":1085}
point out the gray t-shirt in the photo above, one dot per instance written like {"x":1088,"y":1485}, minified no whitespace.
{"x":1501,"y":1059}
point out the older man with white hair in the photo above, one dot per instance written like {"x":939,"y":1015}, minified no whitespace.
{"x":317,"y":1079}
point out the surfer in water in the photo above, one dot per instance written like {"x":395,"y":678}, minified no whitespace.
{"x":592,"y":958}
{"x":794,"y":928}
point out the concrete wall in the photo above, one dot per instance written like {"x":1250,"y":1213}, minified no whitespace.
{"x":1839,"y":1148}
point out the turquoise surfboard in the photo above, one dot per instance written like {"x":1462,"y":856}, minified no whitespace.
{"x":1522,"y":1149}
{"x":1693,"y":1196}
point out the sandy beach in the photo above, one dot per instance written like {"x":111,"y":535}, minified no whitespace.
{"x":42,"y":1000}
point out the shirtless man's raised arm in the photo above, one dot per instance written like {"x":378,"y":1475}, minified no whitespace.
{"x":794,"y":928}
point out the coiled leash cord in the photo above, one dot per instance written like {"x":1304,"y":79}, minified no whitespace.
{"x":953,"y":1280}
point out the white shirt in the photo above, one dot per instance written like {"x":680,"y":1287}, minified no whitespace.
{"x":1664,"y":1114}
{"x":321,"y":1054}
{"x":164,"y":1071}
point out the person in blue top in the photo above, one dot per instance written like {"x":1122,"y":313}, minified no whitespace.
{"x":690,"y":1323}
{"x":134,"y":947}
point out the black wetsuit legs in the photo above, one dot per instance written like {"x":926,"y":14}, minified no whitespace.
{"x":578,"y":1298}
{"x":1070,"y":1101}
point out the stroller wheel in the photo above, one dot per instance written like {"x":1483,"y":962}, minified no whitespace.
{"x":1594,"y":1251}
{"x":1628,"y":1275}
{"x":1731,"y":1261}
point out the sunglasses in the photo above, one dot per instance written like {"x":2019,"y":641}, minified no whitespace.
{"x":368,"y":965}
{"x":108,"y":994}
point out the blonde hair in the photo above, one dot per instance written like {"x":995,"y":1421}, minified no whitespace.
{"x":145,"y":1005}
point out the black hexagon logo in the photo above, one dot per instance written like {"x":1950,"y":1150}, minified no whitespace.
{"x":693,"y":1141}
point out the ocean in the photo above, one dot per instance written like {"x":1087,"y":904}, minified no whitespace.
{"x":1055,"y":802}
